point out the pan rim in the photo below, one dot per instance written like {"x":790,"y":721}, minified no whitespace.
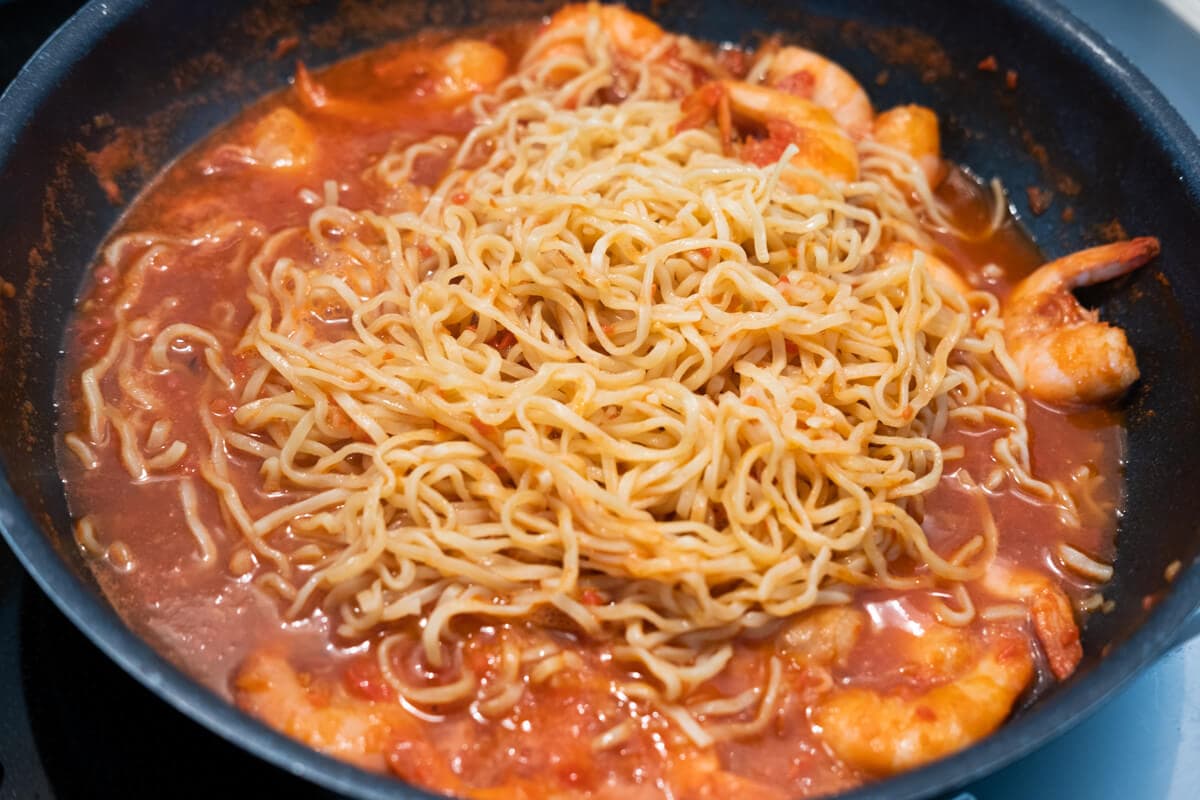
{"x":97,"y":620}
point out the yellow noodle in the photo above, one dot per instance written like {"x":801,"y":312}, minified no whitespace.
{"x":82,"y":451}
{"x":1084,"y":565}
{"x":688,"y":724}
{"x":168,"y":458}
{"x":85,"y":536}
{"x":241,"y":562}
{"x":452,"y":692}
{"x":614,"y":736}
{"x":626,"y":363}
{"x":1003,"y":611}
{"x":725,"y":706}
{"x":158,"y":435}
{"x":131,"y":457}
{"x":200,"y":531}
{"x":551,"y":665}
{"x":511,"y":686}
{"x":959,"y":616}
{"x":766,"y":708}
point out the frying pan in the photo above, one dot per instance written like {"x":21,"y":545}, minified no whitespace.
{"x":155,"y":77}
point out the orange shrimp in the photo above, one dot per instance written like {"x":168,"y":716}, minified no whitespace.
{"x":1065,"y":352}
{"x":1049,"y":611}
{"x":629,"y":33}
{"x":789,"y":120}
{"x":443,"y":77}
{"x":335,"y":722}
{"x":885,"y":732}
{"x":913,"y":129}
{"x":814,"y":77}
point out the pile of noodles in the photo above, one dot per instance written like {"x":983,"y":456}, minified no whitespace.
{"x":603,"y":372}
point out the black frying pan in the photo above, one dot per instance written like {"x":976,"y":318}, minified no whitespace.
{"x":1081,"y":121}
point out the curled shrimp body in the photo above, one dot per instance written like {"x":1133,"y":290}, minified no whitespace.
{"x":822,"y":637}
{"x":913,"y":129}
{"x":1049,"y":610}
{"x":885,"y":732}
{"x":814,"y":77}
{"x":280,"y":142}
{"x":629,"y":33}
{"x":1065,"y":352}
{"x":466,"y":67}
{"x":438,"y":78}
{"x":789,"y":120}
{"x":350,"y":728}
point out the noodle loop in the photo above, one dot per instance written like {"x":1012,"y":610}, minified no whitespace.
{"x":624,"y":362}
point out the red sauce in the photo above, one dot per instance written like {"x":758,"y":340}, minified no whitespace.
{"x":210,"y":621}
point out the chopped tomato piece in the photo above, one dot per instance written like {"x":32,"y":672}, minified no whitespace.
{"x":503,"y":341}
{"x":591,"y":597}
{"x":762,"y":152}
{"x":364,"y":679}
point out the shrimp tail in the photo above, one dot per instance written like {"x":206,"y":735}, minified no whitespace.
{"x":1054,"y":624}
{"x":312,"y":95}
{"x":1111,"y":261}
{"x":1096,"y":264}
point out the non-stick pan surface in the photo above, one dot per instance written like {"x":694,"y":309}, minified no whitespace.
{"x":1080,"y":121}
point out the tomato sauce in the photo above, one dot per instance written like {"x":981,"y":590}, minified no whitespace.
{"x":210,"y":621}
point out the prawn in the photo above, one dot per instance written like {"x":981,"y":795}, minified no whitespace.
{"x":373,"y":734}
{"x":789,"y":120}
{"x":822,"y":637}
{"x":283,"y":141}
{"x":1049,"y":610}
{"x":279,"y":142}
{"x":814,"y":77}
{"x":885,"y":732}
{"x":699,"y":776}
{"x":443,"y":77}
{"x":465,"y":67}
{"x":913,"y":129}
{"x":1065,"y":352}
{"x":630,"y":34}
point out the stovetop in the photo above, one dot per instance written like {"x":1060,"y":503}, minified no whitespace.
{"x":73,"y":725}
